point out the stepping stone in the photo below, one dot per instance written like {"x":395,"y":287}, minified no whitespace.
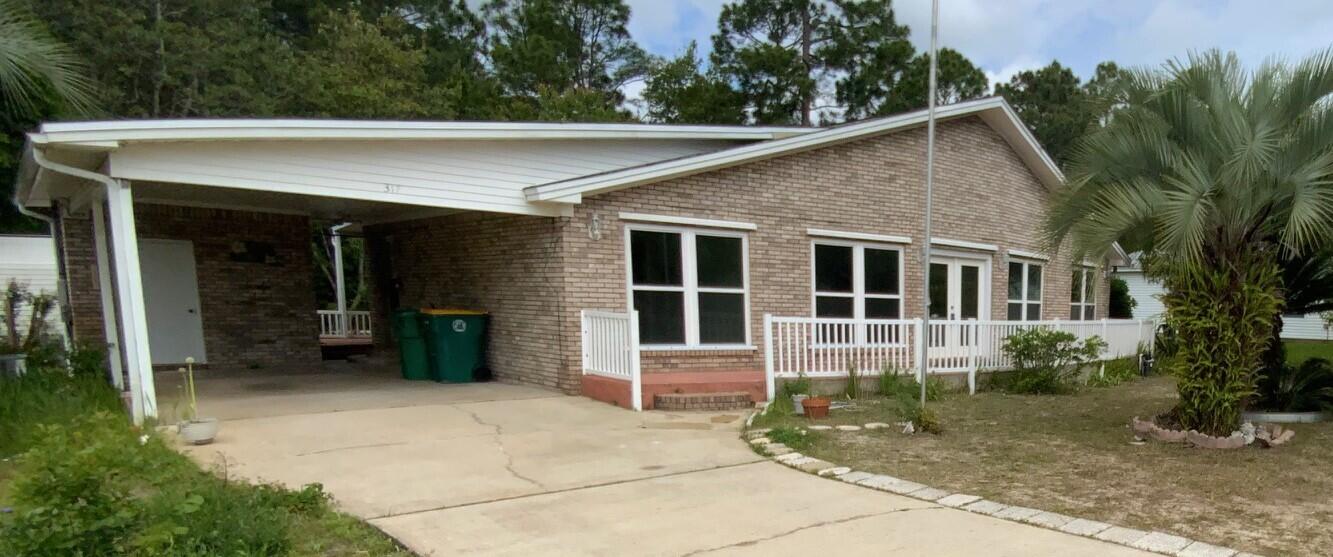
{"x":877,"y":425}
{"x":1162,"y":542}
{"x":928,"y":494}
{"x":1123,"y":536}
{"x":834,"y":471}
{"x":801,"y":461}
{"x":760,"y":441}
{"x":789,"y":455}
{"x":854,"y":476}
{"x":778,"y":449}
{"x":1049,"y":520}
{"x":989,"y":508}
{"x":958,"y":500}
{"x":1200,"y":549}
{"x":849,"y":428}
{"x":820,"y":427}
{"x":758,"y":432}
{"x":1016,"y":513}
{"x":1084,"y":527}
{"x":891,"y":484}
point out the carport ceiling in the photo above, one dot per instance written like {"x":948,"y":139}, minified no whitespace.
{"x":278,"y":202}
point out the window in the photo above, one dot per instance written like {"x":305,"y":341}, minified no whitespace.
{"x":1024,"y":291}
{"x":1083,"y":294}
{"x":857,"y":281}
{"x":689,"y":287}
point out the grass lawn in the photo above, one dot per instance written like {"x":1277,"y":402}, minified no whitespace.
{"x":1300,"y":350}
{"x":1072,"y":454}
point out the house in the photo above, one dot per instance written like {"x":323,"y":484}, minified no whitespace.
{"x":30,"y":260}
{"x":198,"y":232}
{"x":1145,"y":292}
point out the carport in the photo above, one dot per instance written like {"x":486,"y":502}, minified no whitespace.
{"x":172,"y":214}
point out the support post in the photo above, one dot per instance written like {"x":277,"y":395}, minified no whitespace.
{"x":109,"y":327}
{"x":636,"y":374}
{"x":340,"y":284}
{"x":129,"y":291}
{"x":770,"y":384}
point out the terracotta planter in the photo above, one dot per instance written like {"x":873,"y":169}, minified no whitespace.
{"x":816,"y":407}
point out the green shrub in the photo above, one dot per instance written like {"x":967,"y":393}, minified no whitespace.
{"x":924,"y":419}
{"x":1304,"y":388}
{"x":799,"y":386}
{"x":48,"y":396}
{"x":1047,"y":361}
{"x":1222,"y":316}
{"x":1115,"y":372}
{"x":797,"y":439}
{"x":853,"y":388}
{"x":893,"y":382}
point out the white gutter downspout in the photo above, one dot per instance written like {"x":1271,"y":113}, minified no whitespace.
{"x":142,"y":391}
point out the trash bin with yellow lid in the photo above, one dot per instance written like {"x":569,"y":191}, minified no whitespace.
{"x":455,"y":343}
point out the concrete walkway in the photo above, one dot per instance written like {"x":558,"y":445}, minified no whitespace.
{"x":497,"y":469}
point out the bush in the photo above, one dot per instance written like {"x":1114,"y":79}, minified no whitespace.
{"x":853,"y":388}
{"x":48,"y":396}
{"x":1121,"y":303}
{"x":1047,"y":361}
{"x":1304,"y":388}
{"x":893,"y":383}
{"x":1222,"y":316}
{"x":923,"y":418}
{"x":1116,"y":372}
{"x":796,"y":439}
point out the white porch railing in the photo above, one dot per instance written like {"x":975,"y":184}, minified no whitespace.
{"x":827,"y":347}
{"x":611,"y":349}
{"x":340,"y":325}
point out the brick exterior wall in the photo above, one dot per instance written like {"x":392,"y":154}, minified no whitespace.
{"x":508,"y":265}
{"x":983,"y":193}
{"x":254,"y":313}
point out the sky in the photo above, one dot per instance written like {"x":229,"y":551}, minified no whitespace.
{"x":1005,"y":37}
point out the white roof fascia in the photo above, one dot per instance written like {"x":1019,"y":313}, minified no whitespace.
{"x":112,"y":133}
{"x":1011,"y":128}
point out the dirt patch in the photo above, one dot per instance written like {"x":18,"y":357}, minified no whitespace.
{"x":1072,"y":454}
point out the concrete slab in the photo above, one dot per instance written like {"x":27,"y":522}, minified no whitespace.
{"x":507,"y":470}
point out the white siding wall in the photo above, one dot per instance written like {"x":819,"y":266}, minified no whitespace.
{"x":1309,"y":327}
{"x":477,"y":175}
{"x":31,"y":260}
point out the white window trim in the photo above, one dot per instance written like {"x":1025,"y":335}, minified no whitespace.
{"x":1089,"y":278}
{"x":1028,"y":255}
{"x":689,"y":221}
{"x":690,"y":284}
{"x":881,"y":238}
{"x":1023,"y":301}
{"x":858,"y":293}
{"x":963,"y":244}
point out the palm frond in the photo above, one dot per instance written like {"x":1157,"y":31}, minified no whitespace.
{"x":33,"y":63}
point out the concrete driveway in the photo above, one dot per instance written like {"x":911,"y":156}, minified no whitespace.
{"x":499,"y":469}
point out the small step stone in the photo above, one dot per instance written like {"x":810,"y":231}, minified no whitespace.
{"x":1017,"y":513}
{"x":877,"y":425}
{"x":821,"y":427}
{"x":1049,"y":520}
{"x":814,"y":465}
{"x":778,"y":449}
{"x":849,"y":428}
{"x":1123,"y":536}
{"x":928,"y":494}
{"x":758,"y":432}
{"x":760,"y":441}
{"x":1200,"y":549}
{"x":834,"y":471}
{"x":854,"y":476}
{"x":788,"y":456}
{"x":958,"y":500}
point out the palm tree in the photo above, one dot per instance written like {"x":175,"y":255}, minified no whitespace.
{"x":34,"y":66}
{"x":1225,"y":172}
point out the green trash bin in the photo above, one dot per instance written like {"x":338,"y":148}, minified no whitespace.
{"x":455,"y":343}
{"x":412,"y":358}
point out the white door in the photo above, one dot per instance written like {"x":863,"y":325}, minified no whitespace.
{"x":171,"y":298}
{"x":959,"y":292}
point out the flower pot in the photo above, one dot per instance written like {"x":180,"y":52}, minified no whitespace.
{"x":816,"y":407}
{"x":199,"y":431}
{"x":798,"y":403}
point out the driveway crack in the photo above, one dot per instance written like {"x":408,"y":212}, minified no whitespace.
{"x":499,"y":442}
{"x":779,"y":535}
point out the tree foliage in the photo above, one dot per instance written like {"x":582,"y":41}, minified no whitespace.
{"x":678,"y":92}
{"x":1058,"y":107}
{"x":768,"y":48}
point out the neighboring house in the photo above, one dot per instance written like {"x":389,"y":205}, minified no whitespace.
{"x":31,"y":260}
{"x":1146,"y":291}
{"x":703,"y":229}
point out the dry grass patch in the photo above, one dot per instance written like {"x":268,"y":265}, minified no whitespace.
{"x":1072,"y":454}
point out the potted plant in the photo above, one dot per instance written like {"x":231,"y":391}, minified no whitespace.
{"x":798,"y":390}
{"x":193,"y":429}
{"x":816,"y":407}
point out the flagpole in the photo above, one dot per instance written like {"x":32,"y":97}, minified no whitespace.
{"x":930,"y":184}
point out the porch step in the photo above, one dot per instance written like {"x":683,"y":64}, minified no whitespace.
{"x":738,"y":400}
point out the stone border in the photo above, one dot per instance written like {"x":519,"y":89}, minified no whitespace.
{"x":1156,"y":542}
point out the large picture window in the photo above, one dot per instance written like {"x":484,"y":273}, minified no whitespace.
{"x":1024,"y":291}
{"x":857,"y":281}
{"x":689,"y":287}
{"x":1083,"y":294}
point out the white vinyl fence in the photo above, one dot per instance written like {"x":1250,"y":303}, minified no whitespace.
{"x":611,"y":349}
{"x":821,"y":347}
{"x":348,"y":325}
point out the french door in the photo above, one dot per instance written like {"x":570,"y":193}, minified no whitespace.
{"x":959,"y":291}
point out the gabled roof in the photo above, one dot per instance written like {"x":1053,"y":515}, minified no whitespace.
{"x":993,"y":110}
{"x":111,"y":133}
